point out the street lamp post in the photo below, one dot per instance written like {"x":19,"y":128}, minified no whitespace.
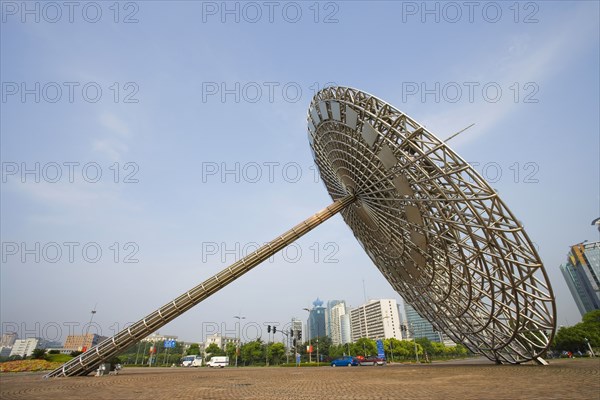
{"x":239,"y":339}
{"x":144,"y":352}
{"x":138,"y":353}
{"x":317,"y":346}
{"x":154,"y":358}
{"x":415,"y":341}
{"x":93,"y":312}
{"x":391,"y":344}
{"x":365,"y":317}
{"x":318,"y":359}
{"x":287,"y":339}
{"x":308,"y":328}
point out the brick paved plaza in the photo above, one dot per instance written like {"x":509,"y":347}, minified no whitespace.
{"x":475,"y":379}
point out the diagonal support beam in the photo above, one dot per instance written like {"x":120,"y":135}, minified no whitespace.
{"x":91,"y":359}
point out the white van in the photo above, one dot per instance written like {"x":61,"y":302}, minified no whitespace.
{"x":191,"y":361}
{"x":218,"y":361}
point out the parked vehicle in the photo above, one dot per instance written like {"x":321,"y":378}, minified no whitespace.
{"x":369,"y":361}
{"x":218,"y":361}
{"x":346,"y":361}
{"x":191,"y":361}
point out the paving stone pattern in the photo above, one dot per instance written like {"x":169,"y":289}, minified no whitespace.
{"x":562,"y":379}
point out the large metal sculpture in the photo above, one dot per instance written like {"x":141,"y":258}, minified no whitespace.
{"x":436,"y":230}
{"x":431,"y":224}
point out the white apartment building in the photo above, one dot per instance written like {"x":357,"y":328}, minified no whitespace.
{"x":220,"y":341}
{"x":24,"y":347}
{"x":346,"y":332}
{"x":335,"y":323}
{"x":377,"y":319}
{"x":297,"y":327}
{"x":157,"y":337}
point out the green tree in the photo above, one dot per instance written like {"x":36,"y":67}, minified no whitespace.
{"x":391,"y":347}
{"x":591,"y":326}
{"x":406,"y":349}
{"x":324,"y":345}
{"x":427,"y":348}
{"x":364,"y":347}
{"x":253,"y":353}
{"x":230,"y":349}
{"x":573,"y":338}
{"x":301,"y":348}
{"x":213,"y":350}
{"x":459,"y":350}
{"x":193,"y":350}
{"x":39,"y":354}
{"x":438,"y":350}
{"x":592,"y":319}
{"x":276,"y":353}
{"x":337,"y":351}
{"x":178,"y":349}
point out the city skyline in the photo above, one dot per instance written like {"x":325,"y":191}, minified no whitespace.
{"x":180,"y":167}
{"x":248,"y":329}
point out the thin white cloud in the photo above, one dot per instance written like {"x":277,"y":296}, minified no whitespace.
{"x":112,"y":145}
{"x":114,"y":124}
{"x":521,"y":63}
{"x":111,"y":148}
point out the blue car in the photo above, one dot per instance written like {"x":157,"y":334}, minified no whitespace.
{"x":346,"y":361}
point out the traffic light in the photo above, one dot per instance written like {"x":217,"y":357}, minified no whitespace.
{"x":299,"y":335}
{"x":291,"y":332}
{"x":294,"y":342}
{"x":274,"y":330}
{"x":268,"y":328}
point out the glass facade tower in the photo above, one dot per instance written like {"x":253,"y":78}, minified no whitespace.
{"x":582,"y":275}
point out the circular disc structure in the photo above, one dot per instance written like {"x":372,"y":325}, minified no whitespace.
{"x":436,"y":230}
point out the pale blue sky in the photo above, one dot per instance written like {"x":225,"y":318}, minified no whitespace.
{"x":543,"y":56}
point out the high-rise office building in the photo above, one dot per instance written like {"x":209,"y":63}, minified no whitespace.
{"x":377,"y":319}
{"x":316,"y":320}
{"x":418,"y":327}
{"x":582,"y":274}
{"x":335,"y":322}
{"x":345,"y":330}
{"x":329,"y":321}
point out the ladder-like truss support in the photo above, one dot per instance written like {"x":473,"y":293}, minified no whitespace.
{"x":91,"y":359}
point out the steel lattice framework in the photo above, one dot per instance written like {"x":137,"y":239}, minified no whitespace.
{"x":436,"y":230}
